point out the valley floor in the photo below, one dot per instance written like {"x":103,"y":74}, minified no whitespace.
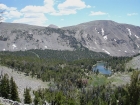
{"x":116,"y":79}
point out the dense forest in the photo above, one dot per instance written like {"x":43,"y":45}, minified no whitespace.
{"x":65,"y":55}
{"x":69,"y":75}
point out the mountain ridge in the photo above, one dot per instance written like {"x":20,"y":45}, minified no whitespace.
{"x":107,"y":36}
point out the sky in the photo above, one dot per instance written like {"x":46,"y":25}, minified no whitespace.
{"x":69,"y":12}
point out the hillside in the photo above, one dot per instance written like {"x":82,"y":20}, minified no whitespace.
{"x":23,"y":81}
{"x":106,"y":36}
{"x":134,"y":63}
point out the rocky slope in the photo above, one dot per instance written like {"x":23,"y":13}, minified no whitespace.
{"x":101,"y":36}
{"x":23,"y":81}
{"x":134,"y":63}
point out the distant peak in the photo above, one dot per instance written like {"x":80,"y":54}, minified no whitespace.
{"x":53,"y":26}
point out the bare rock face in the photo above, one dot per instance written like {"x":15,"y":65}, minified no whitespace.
{"x":101,"y":36}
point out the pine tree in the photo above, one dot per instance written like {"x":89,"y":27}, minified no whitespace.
{"x":5,"y":87}
{"x":36,"y":99}
{"x":134,"y":89}
{"x":59,"y":98}
{"x":14,"y":92}
{"x":27,"y":96}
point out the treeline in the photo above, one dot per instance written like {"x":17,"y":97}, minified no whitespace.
{"x":59,"y":54}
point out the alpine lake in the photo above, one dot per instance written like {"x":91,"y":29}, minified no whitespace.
{"x":102,"y":68}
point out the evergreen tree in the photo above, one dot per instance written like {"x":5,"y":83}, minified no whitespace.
{"x":134,"y":89}
{"x":27,"y":96}
{"x":36,"y":99}
{"x":59,"y":98}
{"x":14,"y":92}
{"x":5,"y":87}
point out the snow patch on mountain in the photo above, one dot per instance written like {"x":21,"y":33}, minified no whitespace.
{"x":106,"y":51}
{"x":129,"y":31}
{"x":95,"y":42}
{"x":138,"y":46}
{"x":14,"y":46}
{"x":46,"y":46}
{"x":136,"y":36}
{"x":105,"y":37}
{"x":95,"y":29}
{"x":92,"y":47}
{"x":102,"y":31}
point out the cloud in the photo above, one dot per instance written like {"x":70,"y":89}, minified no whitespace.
{"x":49,"y":5}
{"x":31,"y":9}
{"x":92,"y":13}
{"x":46,"y":8}
{"x":78,"y":4}
{"x":4,"y":7}
{"x":88,"y":6}
{"x":33,"y":19}
{"x":67,"y":7}
{"x":10,"y":12}
{"x":36,"y":14}
{"x":132,"y":14}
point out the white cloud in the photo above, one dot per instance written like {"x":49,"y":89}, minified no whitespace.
{"x":4,"y":7}
{"x":46,"y":8}
{"x":67,"y":7}
{"x":92,"y":13}
{"x":78,"y":4}
{"x":35,"y":14}
{"x":88,"y":6}
{"x":33,"y":19}
{"x":49,"y":5}
{"x":132,"y":14}
{"x":31,"y":9}
{"x":10,"y":12}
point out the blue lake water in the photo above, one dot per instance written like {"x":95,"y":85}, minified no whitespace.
{"x":102,"y":69}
